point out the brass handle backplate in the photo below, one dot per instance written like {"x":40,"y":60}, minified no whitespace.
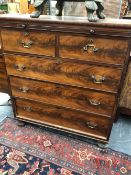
{"x":90,"y":47}
{"x":91,"y":125}
{"x":28,"y":109}
{"x":27,"y":44}
{"x":98,"y":79}
{"x":20,"y":67}
{"x":24,"y":89}
{"x":94,"y":102}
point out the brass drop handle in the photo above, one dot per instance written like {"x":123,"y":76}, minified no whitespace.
{"x":24,"y":89}
{"x":20,"y":67}
{"x":90,"y":47}
{"x":98,"y":79}
{"x":28,"y":109}
{"x":27,"y":44}
{"x":91,"y":125}
{"x":94,"y":102}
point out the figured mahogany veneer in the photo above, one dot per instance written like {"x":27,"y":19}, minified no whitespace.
{"x":28,"y":42}
{"x":61,"y":95}
{"x":112,"y":51}
{"x":66,"y":73}
{"x":60,"y":118}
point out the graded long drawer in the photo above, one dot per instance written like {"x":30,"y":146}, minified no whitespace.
{"x":70,"y":120}
{"x":112,"y":51}
{"x":65,"y":72}
{"x":32,"y":42}
{"x":61,"y":95}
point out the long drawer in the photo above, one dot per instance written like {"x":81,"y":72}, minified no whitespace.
{"x":70,"y":120}
{"x":61,"y":95}
{"x":29,"y":42}
{"x":65,"y":71}
{"x":109,"y":51}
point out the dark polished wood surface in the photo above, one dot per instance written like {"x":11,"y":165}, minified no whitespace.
{"x":61,"y":95}
{"x":116,"y":23}
{"x":65,"y":72}
{"x":83,"y":123}
{"x":112,"y":51}
{"x":28,"y":42}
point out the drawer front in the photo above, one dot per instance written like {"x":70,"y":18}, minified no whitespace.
{"x":32,"y":42}
{"x":112,"y":51}
{"x":66,"y":72}
{"x":71,"y":120}
{"x":3,"y":78}
{"x":70,"y":97}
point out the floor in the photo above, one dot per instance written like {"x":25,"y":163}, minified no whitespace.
{"x":120,"y":138}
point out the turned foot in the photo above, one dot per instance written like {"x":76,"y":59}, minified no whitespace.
{"x":102,"y":145}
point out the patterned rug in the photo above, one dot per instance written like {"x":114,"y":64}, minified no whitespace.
{"x":30,"y":150}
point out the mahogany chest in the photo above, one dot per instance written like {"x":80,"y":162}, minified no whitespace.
{"x":65,"y":72}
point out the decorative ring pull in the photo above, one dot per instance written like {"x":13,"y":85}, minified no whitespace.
{"x":94,"y":102}
{"x":28,"y":109}
{"x":20,"y":67}
{"x":27,"y":44}
{"x":91,"y":125}
{"x":98,"y":79}
{"x":90,"y":47}
{"x":24,"y":89}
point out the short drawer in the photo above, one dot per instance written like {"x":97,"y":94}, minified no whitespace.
{"x":63,"y":119}
{"x":66,"y":72}
{"x":110,"y":51}
{"x":29,"y":42}
{"x":61,"y":95}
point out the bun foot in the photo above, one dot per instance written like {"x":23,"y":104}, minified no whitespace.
{"x":20,"y":123}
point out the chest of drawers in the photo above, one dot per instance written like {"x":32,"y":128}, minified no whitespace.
{"x":66,"y":73}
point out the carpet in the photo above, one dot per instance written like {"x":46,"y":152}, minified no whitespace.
{"x":30,"y":150}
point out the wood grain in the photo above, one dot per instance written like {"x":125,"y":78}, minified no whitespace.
{"x":61,"y":95}
{"x":38,"y":43}
{"x":110,"y":51}
{"x":66,"y":72}
{"x":70,"y":120}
